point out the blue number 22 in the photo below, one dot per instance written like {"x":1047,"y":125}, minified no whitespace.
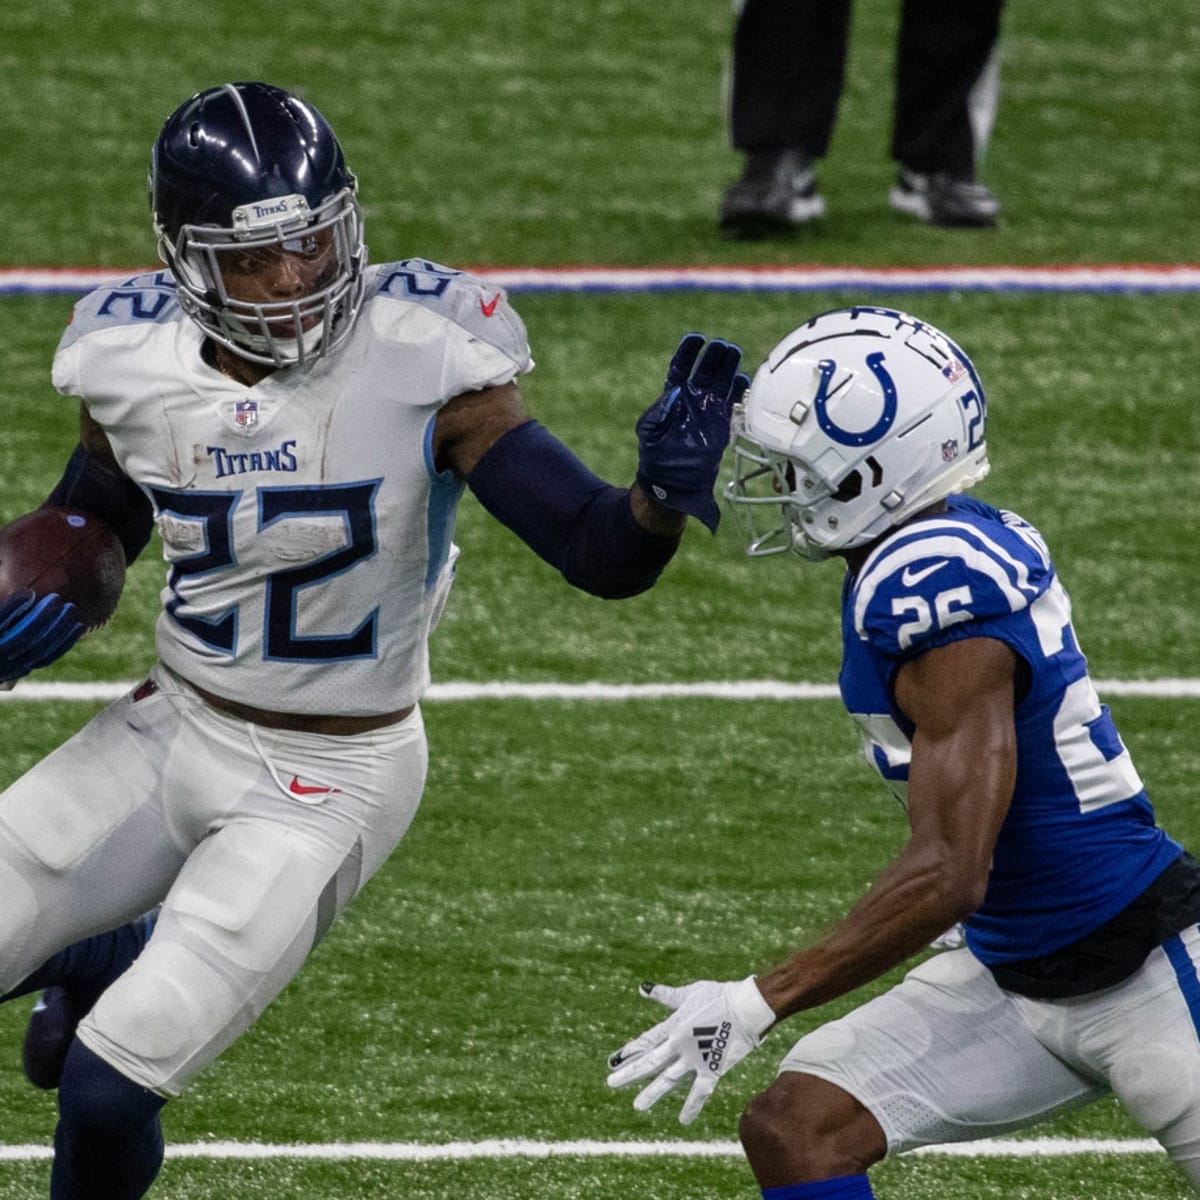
{"x":354,"y":503}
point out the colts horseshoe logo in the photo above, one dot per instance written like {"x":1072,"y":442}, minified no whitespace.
{"x":846,"y":437}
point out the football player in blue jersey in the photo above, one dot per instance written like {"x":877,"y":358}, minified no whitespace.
{"x":1028,"y":822}
{"x":299,"y":426}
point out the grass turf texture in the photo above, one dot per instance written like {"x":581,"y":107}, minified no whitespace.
{"x":758,"y":819}
{"x":1138,"y":1178}
{"x":543,"y":133}
{"x":564,"y":851}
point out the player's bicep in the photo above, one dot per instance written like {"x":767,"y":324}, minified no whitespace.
{"x":961,"y":698}
{"x":95,"y":441}
{"x":94,"y":482}
{"x":468,"y":426}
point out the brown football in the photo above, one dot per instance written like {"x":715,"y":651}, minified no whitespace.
{"x":72,"y":553}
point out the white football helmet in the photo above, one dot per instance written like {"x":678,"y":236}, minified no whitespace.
{"x":858,"y":419}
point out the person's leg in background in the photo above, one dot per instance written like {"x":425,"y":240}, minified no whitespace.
{"x":789,"y":59}
{"x":946,"y":87}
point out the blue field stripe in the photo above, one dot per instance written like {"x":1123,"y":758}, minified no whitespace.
{"x":1185,"y":971}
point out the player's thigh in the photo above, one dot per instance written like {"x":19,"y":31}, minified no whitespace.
{"x":944,"y":1056}
{"x":250,"y":904}
{"x":1142,"y":1035}
{"x":83,"y":843}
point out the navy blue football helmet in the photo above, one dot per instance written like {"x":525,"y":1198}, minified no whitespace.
{"x":245,"y":169}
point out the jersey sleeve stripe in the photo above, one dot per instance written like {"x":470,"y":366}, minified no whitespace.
{"x":1010,"y":576}
{"x":1020,"y":571}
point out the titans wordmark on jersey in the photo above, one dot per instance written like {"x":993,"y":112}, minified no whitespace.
{"x":306,"y":528}
{"x":1079,"y":841}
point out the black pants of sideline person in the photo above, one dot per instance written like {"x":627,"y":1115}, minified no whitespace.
{"x":789,"y":59}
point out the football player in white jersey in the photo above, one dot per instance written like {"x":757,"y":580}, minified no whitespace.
{"x":1028,"y":822}
{"x":299,"y":427}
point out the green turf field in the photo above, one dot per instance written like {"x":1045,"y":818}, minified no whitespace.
{"x":567,"y":850}
{"x":543,"y":132}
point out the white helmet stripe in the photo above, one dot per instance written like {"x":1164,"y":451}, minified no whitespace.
{"x":240,"y":105}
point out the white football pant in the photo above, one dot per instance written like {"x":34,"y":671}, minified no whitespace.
{"x":253,"y":840}
{"x":948,"y":1056}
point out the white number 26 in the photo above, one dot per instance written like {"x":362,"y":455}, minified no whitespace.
{"x":949,"y":608}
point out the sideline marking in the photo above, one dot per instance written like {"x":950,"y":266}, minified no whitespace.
{"x":520,"y":1148}
{"x":1113,"y":277}
{"x":743,"y":689}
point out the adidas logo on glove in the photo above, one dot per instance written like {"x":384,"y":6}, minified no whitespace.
{"x":711,"y":1041}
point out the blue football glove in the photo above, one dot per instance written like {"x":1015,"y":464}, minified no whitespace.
{"x":683,"y":434}
{"x":35,"y":631}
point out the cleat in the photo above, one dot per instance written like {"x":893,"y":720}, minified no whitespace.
{"x":777,"y":191}
{"x":944,"y":200}
{"x":48,"y":1037}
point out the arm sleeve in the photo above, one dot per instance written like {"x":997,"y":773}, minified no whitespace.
{"x":89,"y":485}
{"x":568,"y":516}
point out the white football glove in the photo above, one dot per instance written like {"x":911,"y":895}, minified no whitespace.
{"x":714,"y":1026}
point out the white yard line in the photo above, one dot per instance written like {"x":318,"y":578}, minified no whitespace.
{"x":520,"y":1148}
{"x":744,"y":689}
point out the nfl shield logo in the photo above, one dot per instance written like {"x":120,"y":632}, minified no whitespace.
{"x":949,"y":450}
{"x":245,"y":413}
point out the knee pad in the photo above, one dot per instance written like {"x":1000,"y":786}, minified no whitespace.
{"x":19,"y":917}
{"x":159,"y":1017}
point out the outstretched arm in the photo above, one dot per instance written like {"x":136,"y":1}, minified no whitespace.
{"x":961,"y":698}
{"x":607,"y":540}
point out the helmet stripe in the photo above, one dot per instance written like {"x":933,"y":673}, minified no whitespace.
{"x":240,"y":105}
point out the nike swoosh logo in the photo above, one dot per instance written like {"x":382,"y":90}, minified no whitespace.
{"x":911,"y":578}
{"x":490,"y":307}
{"x":303,"y":789}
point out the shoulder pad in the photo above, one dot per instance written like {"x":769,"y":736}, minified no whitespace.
{"x":939,"y":573}
{"x":474,"y":305}
{"x":147,"y":297}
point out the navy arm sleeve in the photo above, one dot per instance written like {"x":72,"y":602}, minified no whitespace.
{"x":90,"y":485}
{"x":568,"y":516}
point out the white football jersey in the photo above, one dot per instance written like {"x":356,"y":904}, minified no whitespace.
{"x":307,"y":531}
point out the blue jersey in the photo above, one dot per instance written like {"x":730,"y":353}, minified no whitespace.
{"x":1080,"y":840}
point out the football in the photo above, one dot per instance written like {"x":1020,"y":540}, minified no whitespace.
{"x":72,"y":553}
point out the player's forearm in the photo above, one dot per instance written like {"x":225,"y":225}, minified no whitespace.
{"x":583,"y":526}
{"x":653,"y":517}
{"x":917,"y":898}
